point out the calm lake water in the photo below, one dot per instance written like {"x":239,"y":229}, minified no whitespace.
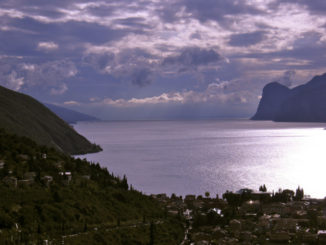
{"x":186,"y":157}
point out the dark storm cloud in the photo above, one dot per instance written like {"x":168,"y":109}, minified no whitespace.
{"x":216,"y":10}
{"x":141,"y":77}
{"x":171,"y":51}
{"x":130,"y":65}
{"x":71,"y":31}
{"x":305,"y":53}
{"x":22,"y":4}
{"x":193,"y":57}
{"x":308,"y":39}
{"x":246,"y":38}
{"x":307,"y":48}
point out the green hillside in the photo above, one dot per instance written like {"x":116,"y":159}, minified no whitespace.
{"x":86,"y":204}
{"x":22,"y":115}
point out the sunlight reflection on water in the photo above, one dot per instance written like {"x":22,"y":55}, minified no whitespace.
{"x":215,"y":156}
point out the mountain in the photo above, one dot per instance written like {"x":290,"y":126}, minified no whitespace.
{"x":305,"y":103}
{"x":273,"y":96}
{"x":48,"y":195}
{"x":22,"y":115}
{"x":70,"y":116}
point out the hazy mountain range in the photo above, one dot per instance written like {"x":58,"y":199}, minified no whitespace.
{"x":70,"y":116}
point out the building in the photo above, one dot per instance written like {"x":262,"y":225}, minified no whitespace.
{"x":10,"y":181}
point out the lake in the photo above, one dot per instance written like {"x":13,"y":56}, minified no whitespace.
{"x":192,"y":157}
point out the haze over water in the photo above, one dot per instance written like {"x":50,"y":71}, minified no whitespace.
{"x":191,"y":157}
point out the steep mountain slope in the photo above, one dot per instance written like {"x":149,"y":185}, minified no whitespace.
{"x":273,"y":96}
{"x":305,"y":103}
{"x":22,"y":115}
{"x":70,"y":116}
{"x":87,"y":204}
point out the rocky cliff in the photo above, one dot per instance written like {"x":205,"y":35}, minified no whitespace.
{"x":305,"y":103}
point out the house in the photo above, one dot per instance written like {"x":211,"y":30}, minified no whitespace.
{"x":25,"y":182}
{"x":251,"y":206}
{"x":187,"y":214}
{"x":280,"y":237}
{"x":276,"y":208}
{"x":160,"y":197}
{"x":321,"y":236}
{"x":235,"y":225}
{"x":260,"y":195}
{"x":173,"y":212}
{"x":29,"y":175}
{"x":190,"y":198}
{"x":59,"y":164}
{"x":321,"y":221}
{"x":264,"y":222}
{"x":244,"y":191}
{"x":198,"y":204}
{"x":309,"y":238}
{"x":287,"y":224}
{"x":218,"y":233}
{"x":47,"y":180}
{"x":10,"y":181}
{"x":66,"y":176}
{"x":23,"y":157}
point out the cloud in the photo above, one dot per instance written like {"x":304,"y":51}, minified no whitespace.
{"x":71,"y":102}
{"x":287,"y":78}
{"x":60,"y":90}
{"x":47,"y":46}
{"x":141,"y":77}
{"x":246,"y":39}
{"x":130,"y":65}
{"x":191,"y":58}
{"x":160,"y":99}
{"x":50,"y":74}
{"x":215,"y":93}
{"x":316,"y":6}
{"x":14,"y":82}
{"x":208,"y":10}
{"x":17,"y":74}
{"x":100,"y":61}
{"x":159,"y":52}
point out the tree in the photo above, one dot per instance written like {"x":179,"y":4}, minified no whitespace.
{"x":85,"y":227}
{"x":262,"y":188}
{"x":124,"y":183}
{"x":207,"y":194}
{"x":151,"y":233}
{"x":299,"y":194}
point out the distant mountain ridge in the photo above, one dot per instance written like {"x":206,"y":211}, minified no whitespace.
{"x":304,"y":103}
{"x":70,"y":116}
{"x":23,"y":115}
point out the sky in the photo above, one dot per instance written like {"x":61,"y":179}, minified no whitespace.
{"x":173,"y":59}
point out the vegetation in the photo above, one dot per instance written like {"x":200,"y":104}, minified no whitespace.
{"x":22,"y":115}
{"x":73,"y":200}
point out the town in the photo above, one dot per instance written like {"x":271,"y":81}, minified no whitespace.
{"x":250,"y":217}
